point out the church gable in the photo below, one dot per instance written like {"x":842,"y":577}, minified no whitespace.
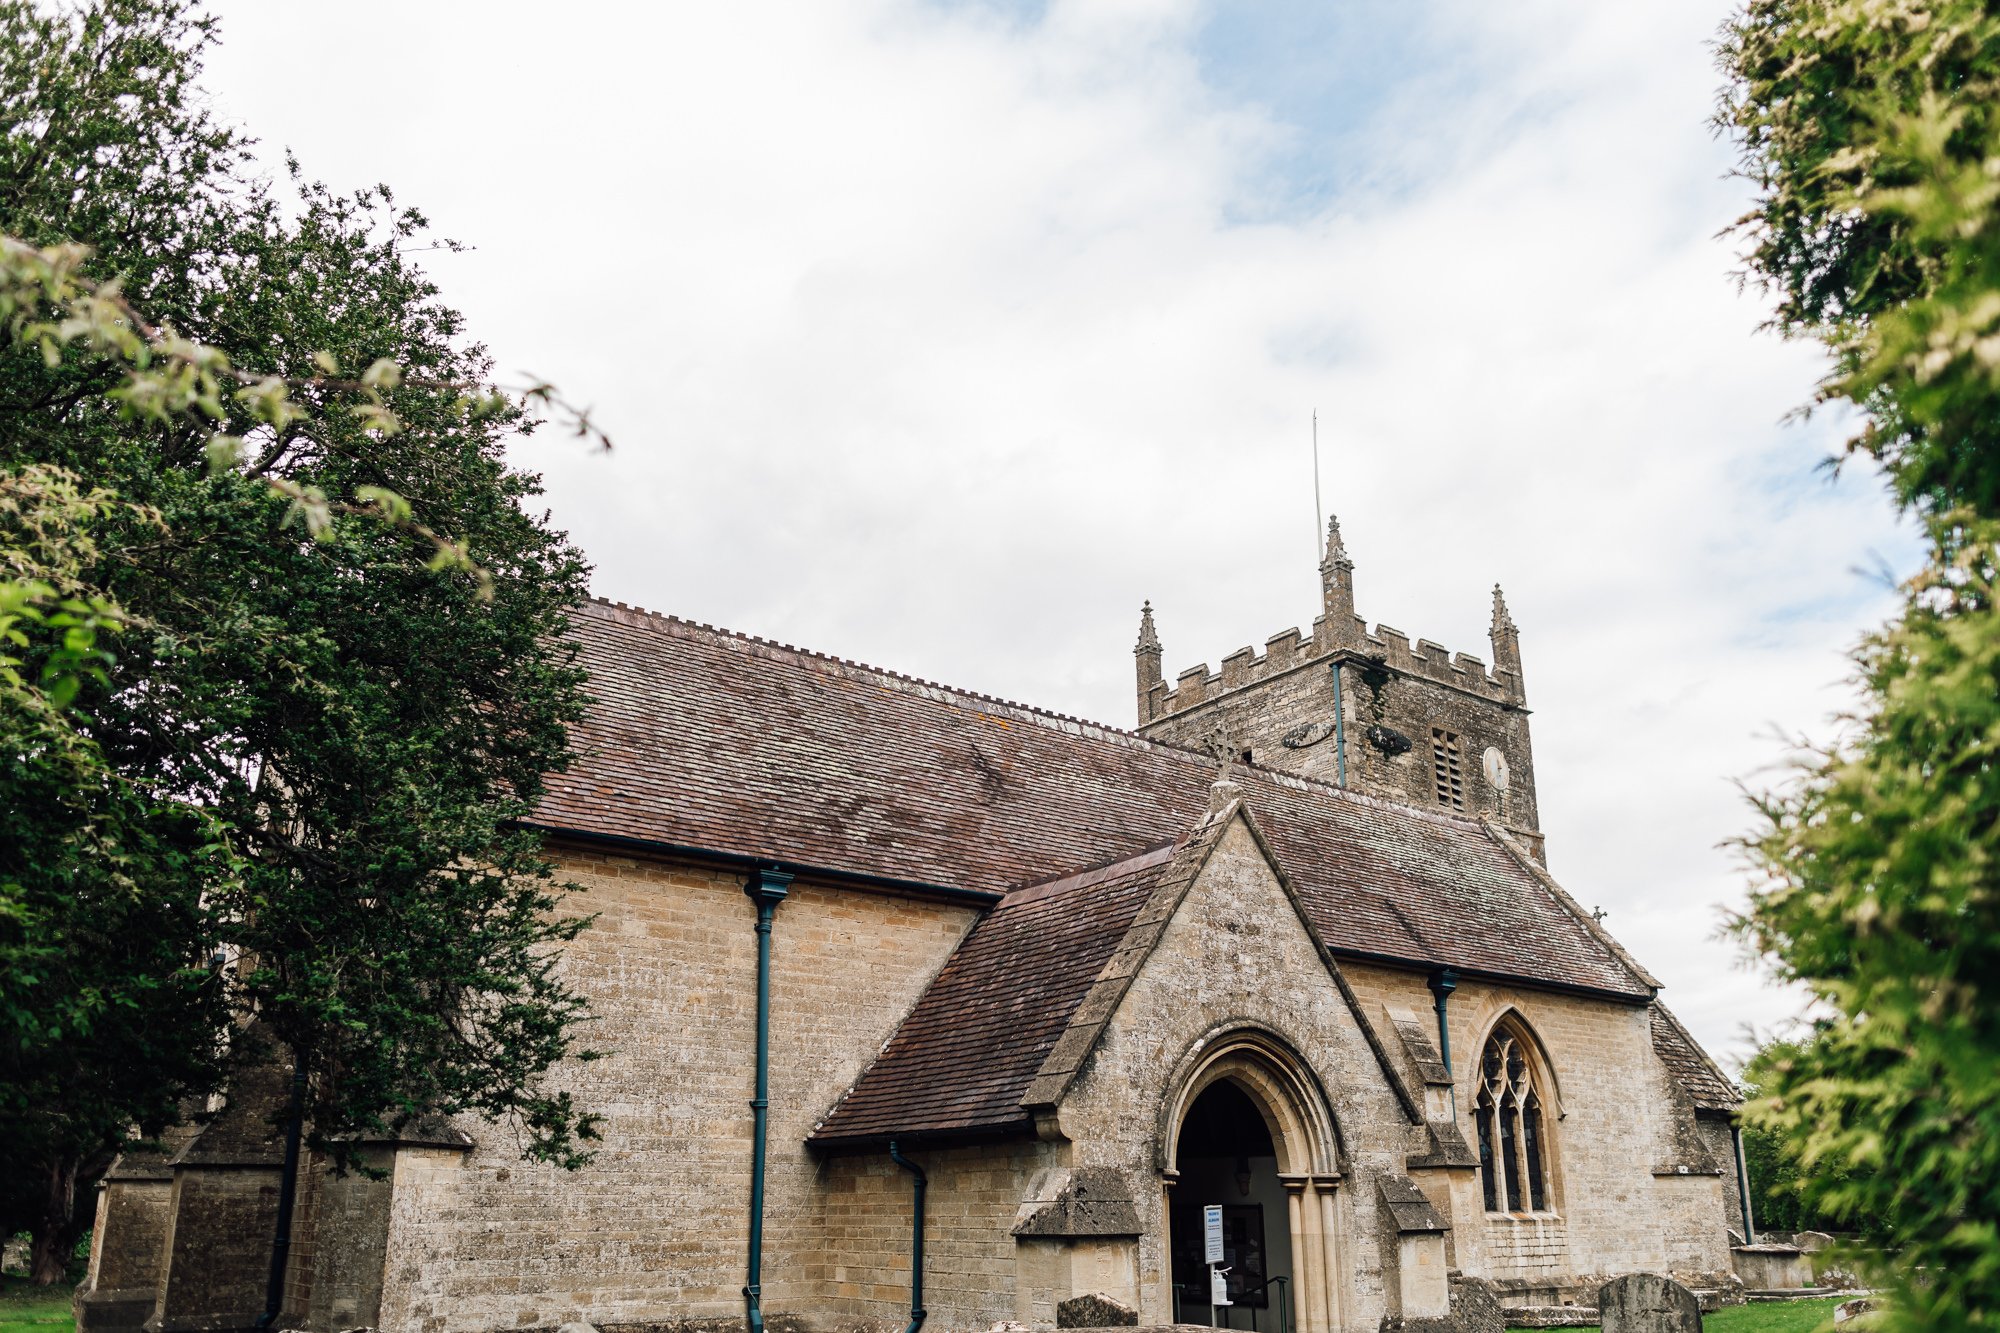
{"x":1236,"y":1002}
{"x":1015,"y":1016}
{"x":1230,"y":950}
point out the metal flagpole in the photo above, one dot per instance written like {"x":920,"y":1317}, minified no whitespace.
{"x":1319,"y":511}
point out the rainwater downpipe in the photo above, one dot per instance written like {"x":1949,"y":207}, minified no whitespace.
{"x":288,"y":1195}
{"x":1742,"y":1183}
{"x":1442,"y":985}
{"x":1339,"y":731}
{"x":767,"y":888}
{"x":917,"y":1311}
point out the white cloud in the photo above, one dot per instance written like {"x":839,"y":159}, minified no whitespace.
{"x":928,"y":339}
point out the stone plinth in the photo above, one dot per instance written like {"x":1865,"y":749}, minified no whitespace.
{"x":1772,"y":1267}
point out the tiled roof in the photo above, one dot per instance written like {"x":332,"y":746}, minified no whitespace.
{"x":707,"y":739}
{"x":961,"y":1060}
{"x":1690,"y":1065}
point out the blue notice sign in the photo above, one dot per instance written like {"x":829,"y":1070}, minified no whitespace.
{"x":1211,"y":1232}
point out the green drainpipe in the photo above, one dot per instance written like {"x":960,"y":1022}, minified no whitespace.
{"x":288,"y":1195}
{"x":917,"y":1311}
{"x":1442,"y":985}
{"x":1742,"y":1184}
{"x":1339,"y":731}
{"x":767,"y":888}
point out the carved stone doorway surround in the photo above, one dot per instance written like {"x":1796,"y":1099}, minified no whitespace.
{"x":1285,"y":1091}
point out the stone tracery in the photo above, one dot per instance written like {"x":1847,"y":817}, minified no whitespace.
{"x":1512,"y":1130}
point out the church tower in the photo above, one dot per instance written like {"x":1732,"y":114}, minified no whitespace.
{"x":1364,"y":709}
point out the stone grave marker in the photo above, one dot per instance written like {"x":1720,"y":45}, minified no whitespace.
{"x":1647,"y":1303}
{"x":1095,"y":1311}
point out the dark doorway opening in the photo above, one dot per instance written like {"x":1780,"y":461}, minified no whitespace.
{"x":1225,"y":1156}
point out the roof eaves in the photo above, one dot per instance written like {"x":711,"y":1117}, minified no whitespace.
{"x":1517,"y":979}
{"x":996,"y":1132}
{"x":746,"y":861}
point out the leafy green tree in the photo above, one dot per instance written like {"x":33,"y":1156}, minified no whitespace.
{"x":103,"y":988}
{"x":1872,"y":131}
{"x":1879,"y":896}
{"x":283,"y":680}
{"x":1777,"y":1194}
{"x":1870,"y":128}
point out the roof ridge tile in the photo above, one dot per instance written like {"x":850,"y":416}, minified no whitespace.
{"x":1038,"y":713}
{"x":1034,"y":710}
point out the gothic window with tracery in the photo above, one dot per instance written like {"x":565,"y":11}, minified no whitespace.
{"x":1513,"y":1137}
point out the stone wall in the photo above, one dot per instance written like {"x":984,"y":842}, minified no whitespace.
{"x":1621,"y":1202}
{"x":1235,"y":956}
{"x":656,"y":1227}
{"x":128,"y":1243}
{"x":343,"y":1230}
{"x":975,"y":1272}
{"x":222,"y":1210}
{"x":462,"y":1241}
{"x":218,"y":1248}
{"x":1720,"y":1140}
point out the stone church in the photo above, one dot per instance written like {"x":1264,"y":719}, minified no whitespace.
{"x":929,"y":1008}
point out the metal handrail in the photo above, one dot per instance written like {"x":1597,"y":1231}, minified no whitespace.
{"x":1284,"y":1285}
{"x":1281,"y":1281}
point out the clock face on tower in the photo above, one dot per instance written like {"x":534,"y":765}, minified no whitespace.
{"x":1495,"y":765}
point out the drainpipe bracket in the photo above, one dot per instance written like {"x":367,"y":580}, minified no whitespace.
{"x":767,"y":885}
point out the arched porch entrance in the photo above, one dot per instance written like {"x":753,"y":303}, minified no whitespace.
{"x":1227,"y":1159}
{"x":1249,"y":1129}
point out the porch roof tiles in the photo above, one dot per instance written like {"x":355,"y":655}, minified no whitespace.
{"x":960,"y":1062}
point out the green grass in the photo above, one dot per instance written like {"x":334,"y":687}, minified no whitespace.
{"x":27,"y":1308}
{"x":1757,"y":1317}
{"x":1772,"y":1317}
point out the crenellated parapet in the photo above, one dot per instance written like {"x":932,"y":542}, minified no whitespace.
{"x":1382,"y":647}
{"x":1337,"y":634}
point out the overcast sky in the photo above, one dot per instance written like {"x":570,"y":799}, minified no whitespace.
{"x":939,"y":336}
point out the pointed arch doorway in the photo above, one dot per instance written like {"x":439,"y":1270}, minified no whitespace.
{"x":1227,"y":1158}
{"x":1250,"y":1130}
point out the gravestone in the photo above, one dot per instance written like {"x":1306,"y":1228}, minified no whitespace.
{"x":1474,"y":1306}
{"x":1647,"y":1303}
{"x":1094,"y":1311}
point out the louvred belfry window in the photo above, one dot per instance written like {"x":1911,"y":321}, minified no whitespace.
{"x":1513,"y":1134}
{"x":1446,"y":769}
